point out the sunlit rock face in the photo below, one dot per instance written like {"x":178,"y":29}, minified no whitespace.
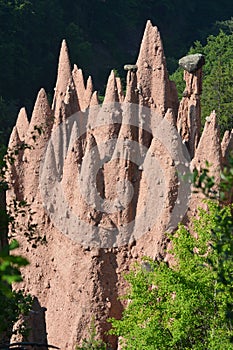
{"x":105,"y":185}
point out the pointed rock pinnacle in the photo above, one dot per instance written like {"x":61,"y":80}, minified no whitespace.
{"x":41,"y":121}
{"x":88,"y":93}
{"x":227,"y":145}
{"x":14,"y":140}
{"x":153,"y":85}
{"x":77,"y":75}
{"x":189,"y":114}
{"x":131,"y":88}
{"x":63,"y":77}
{"x":111,"y":94}
{"x":41,"y":111}
{"x":120,"y":90}
{"x":209,"y":147}
{"x":22,"y":123}
{"x":94,"y":99}
{"x":71,"y":103}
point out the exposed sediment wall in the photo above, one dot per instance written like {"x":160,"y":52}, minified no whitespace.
{"x":103,"y":181}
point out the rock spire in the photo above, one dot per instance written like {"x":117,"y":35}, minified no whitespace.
{"x":189,"y":114}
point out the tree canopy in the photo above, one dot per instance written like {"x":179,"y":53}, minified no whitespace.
{"x":188,"y":305}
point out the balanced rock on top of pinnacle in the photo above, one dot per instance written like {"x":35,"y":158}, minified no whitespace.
{"x":192,"y":63}
{"x":131,"y":67}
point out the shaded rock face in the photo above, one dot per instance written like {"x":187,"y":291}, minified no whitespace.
{"x":104,"y":184}
{"x":3,"y":226}
{"x":189,"y":113}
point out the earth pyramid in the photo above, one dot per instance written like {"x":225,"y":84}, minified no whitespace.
{"x":103,"y":184}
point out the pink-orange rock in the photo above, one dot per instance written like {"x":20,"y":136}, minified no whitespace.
{"x":153,"y":85}
{"x":209,"y":147}
{"x":36,"y":139}
{"x":88,"y":92}
{"x":14,"y":140}
{"x":84,"y":94}
{"x":94,"y":99}
{"x":131,"y":88}
{"x":41,"y":121}
{"x":77,"y":75}
{"x":70,"y":105}
{"x":208,"y":150}
{"x":227,"y":146}
{"x":111,"y":174}
{"x":22,"y":123}
{"x":120,"y":89}
{"x":63,"y":78}
{"x":111,"y":93}
{"x":14,"y":171}
{"x":189,"y":114}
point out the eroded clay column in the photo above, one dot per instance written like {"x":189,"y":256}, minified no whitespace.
{"x":189,"y":114}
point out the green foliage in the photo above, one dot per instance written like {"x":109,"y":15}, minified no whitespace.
{"x":101,"y":98}
{"x":226,"y":26}
{"x":177,"y":77}
{"x":188,"y":305}
{"x":10,"y":264}
{"x":205,"y":183}
{"x":217,"y":78}
{"x":13,"y":304}
{"x":13,"y":307}
{"x":92,"y":343}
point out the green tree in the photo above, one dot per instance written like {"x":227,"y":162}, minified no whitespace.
{"x":226,"y":26}
{"x":13,"y":304}
{"x":188,"y":305}
{"x":217,"y":78}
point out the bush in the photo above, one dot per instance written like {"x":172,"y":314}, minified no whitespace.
{"x":92,"y":343}
{"x":190,"y":304}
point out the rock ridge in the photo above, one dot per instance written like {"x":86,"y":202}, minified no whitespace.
{"x":117,"y":166}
